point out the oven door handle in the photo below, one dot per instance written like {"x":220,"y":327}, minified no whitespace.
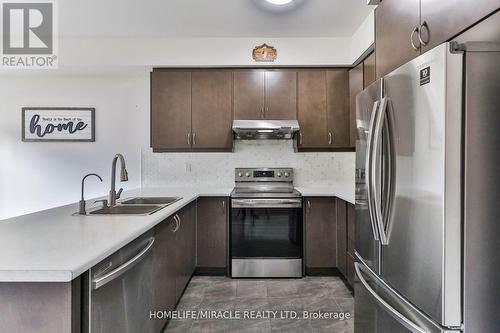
{"x":266,"y":203}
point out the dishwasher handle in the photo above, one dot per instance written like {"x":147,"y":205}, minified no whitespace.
{"x":119,"y":271}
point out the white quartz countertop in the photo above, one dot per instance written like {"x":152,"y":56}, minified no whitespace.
{"x":55,"y":246}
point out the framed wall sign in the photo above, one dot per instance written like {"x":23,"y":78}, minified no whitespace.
{"x":264,"y":53}
{"x":58,"y":124}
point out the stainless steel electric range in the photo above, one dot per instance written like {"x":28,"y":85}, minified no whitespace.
{"x":266,"y":224}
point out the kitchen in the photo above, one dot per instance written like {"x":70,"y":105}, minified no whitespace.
{"x":329,"y":175}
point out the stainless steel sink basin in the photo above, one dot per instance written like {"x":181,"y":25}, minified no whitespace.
{"x":151,"y":201}
{"x":128,"y":210}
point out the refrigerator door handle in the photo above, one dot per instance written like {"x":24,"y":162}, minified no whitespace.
{"x":393,"y":312}
{"x":376,"y":194}
{"x":368,"y":167}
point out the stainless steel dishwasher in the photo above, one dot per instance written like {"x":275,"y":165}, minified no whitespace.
{"x":119,"y":290}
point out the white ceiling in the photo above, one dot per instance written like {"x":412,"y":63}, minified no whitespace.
{"x":208,"y":18}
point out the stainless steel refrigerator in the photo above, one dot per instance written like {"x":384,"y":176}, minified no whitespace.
{"x":427,"y":195}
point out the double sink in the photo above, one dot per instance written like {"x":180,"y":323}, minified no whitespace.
{"x":136,"y":206}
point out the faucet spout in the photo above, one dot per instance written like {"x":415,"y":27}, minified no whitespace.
{"x":123,"y":177}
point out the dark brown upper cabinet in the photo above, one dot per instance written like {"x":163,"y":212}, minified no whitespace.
{"x":323,"y":109}
{"x":369,"y":75}
{"x":406,"y":29}
{"x":265,"y":94}
{"x":249,"y":94}
{"x":443,"y":20}
{"x":355,"y":87}
{"x":394,"y":22}
{"x":281,"y":95}
{"x":211,"y":110}
{"x":337,"y":84}
{"x":170,"y":110}
{"x":191,"y":110}
{"x":312,"y":99}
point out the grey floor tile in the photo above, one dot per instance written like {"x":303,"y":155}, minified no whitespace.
{"x":290,"y":325}
{"x":250,"y":326}
{"x":292,"y":303}
{"x":178,"y":326}
{"x":251,"y":303}
{"x":251,"y":288}
{"x":330,"y":325}
{"x":282,"y":288}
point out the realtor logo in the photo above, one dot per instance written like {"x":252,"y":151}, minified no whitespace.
{"x":28,"y":34}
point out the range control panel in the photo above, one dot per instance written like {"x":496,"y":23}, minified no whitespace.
{"x":264,"y":175}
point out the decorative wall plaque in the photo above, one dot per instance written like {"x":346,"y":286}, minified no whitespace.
{"x":264,"y":53}
{"x":58,"y":124}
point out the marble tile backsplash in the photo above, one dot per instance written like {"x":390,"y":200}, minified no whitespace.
{"x":217,"y":169}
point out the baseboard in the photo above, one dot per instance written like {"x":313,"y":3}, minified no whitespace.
{"x":322,"y":271}
{"x":210,"y":271}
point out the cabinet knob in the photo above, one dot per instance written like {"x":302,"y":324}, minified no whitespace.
{"x":413,"y":32}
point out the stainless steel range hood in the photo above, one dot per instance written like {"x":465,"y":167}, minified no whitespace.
{"x":265,"y":129}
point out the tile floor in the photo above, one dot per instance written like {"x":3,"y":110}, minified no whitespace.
{"x":308,"y":294}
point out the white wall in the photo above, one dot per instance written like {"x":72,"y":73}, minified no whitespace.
{"x":217,"y":169}
{"x":364,"y":37}
{"x":36,"y":176}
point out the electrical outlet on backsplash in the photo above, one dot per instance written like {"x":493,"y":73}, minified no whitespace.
{"x":217,"y":169}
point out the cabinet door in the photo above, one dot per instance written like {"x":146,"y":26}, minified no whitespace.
{"x":351,"y":228}
{"x":248,"y":94}
{"x":355,"y":87}
{"x":446,"y":19}
{"x":312,"y":109}
{"x":211,"y":232}
{"x":394,"y":22}
{"x":338,"y":107}
{"x":369,"y":75}
{"x":321,"y":233}
{"x":185,"y":250}
{"x":211,"y":110}
{"x":342,"y":236}
{"x":170,"y":110}
{"x":281,"y":95}
{"x":164,"y":268}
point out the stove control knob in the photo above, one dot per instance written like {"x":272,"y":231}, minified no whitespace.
{"x":287,"y":174}
{"x":279,"y":174}
{"x":240,"y":174}
{"x":247,"y":174}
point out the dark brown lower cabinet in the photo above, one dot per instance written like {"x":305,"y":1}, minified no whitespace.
{"x":164,"y":268}
{"x":211,"y":232}
{"x":185,"y":253}
{"x":342,"y":236}
{"x":321,"y":232}
{"x":41,"y":307}
{"x":173,"y":259}
{"x":350,"y":269}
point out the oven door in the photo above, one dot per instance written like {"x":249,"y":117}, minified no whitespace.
{"x":266,"y":237}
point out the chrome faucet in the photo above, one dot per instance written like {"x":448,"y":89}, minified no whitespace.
{"x":82,"y":210}
{"x":113,"y":195}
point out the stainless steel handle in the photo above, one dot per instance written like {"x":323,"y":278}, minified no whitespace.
{"x":329,"y":138}
{"x":224,"y":206}
{"x":368,"y":168}
{"x":420,"y":39}
{"x":179,"y":221}
{"x":375,"y":193}
{"x":176,"y":226}
{"x":194,"y":139}
{"x":99,"y":282}
{"x":413,"y":32}
{"x":393,"y":312}
{"x":266,"y":203}
{"x":300,"y":138}
{"x":262,"y":112}
{"x":189,"y":138}
{"x":308,"y":206}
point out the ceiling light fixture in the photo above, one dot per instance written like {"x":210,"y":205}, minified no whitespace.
{"x":279,"y":2}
